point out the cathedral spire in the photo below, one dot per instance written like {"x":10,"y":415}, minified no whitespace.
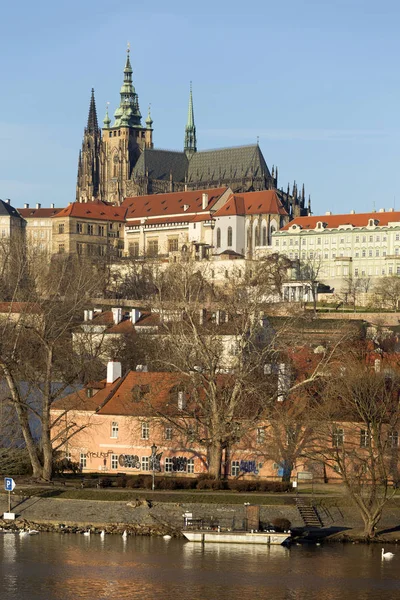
{"x":128,"y":113}
{"x":92,"y":124}
{"x":190,"y":129}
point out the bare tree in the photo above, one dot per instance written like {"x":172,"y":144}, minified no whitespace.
{"x":386,"y":292}
{"x":36,"y":355}
{"x":358,"y":417}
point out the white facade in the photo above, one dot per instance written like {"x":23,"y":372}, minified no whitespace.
{"x":344,"y":246}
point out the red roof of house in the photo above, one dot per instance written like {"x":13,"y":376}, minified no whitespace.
{"x":38,"y":213}
{"x":20,"y":307}
{"x":252,"y":203}
{"x":93,"y":210}
{"x":158,"y":205}
{"x":334,"y":221}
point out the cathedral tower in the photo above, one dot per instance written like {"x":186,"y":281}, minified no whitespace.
{"x":88,"y":184}
{"x":123,"y":141}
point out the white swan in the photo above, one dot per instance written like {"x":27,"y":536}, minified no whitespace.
{"x":167,"y":537}
{"x":386,"y":555}
{"x":102,"y":534}
{"x":125,"y":535}
{"x":86,"y":533}
{"x":23,"y":533}
{"x":32,"y":532}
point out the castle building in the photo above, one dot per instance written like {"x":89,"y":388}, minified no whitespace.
{"x":120,"y":160}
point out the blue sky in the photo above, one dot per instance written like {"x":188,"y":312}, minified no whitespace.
{"x":318,"y":82}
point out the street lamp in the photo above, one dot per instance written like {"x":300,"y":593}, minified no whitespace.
{"x":153,"y":461}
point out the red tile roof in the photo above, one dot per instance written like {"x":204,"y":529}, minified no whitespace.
{"x":93,"y":210}
{"x":38,"y":213}
{"x":252,"y":203}
{"x":20,"y":307}
{"x":171,"y":204}
{"x":356,"y":220}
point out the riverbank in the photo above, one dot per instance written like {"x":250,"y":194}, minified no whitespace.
{"x":141,"y":515}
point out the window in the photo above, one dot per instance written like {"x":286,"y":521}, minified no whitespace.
{"x":370,"y":252}
{"x":364,"y":238}
{"x":371,"y":238}
{"x":145,"y":463}
{"x":90,"y":229}
{"x":114,"y":461}
{"x":393,"y":439}
{"x":79,"y":228}
{"x":235,"y":468}
{"x":357,"y":239}
{"x":363,"y":253}
{"x":396,"y":251}
{"x":190,"y":465}
{"x":365,"y":439}
{"x":134,"y":249}
{"x":101,"y":230}
{"x":173,"y":245}
{"x":152,"y":247}
{"x":181,"y":400}
{"x":260,"y":435}
{"x":337,"y":437}
{"x":256,"y":236}
{"x":378,"y":238}
{"x":264,"y":235}
{"x":114,"y":429}
{"x":377,"y":252}
{"x":397,"y":238}
{"x":82,"y":460}
{"x":218,"y":237}
{"x":61,"y":248}
{"x":168,"y":433}
{"x":342,"y":240}
{"x":168,"y":465}
{"x":61,"y":228}
{"x":229,"y":236}
{"x":145,"y":431}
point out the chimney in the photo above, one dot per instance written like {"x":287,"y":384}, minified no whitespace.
{"x":38,"y":205}
{"x":391,"y":209}
{"x":114,"y":371}
{"x":381,"y":210}
{"x":90,"y":315}
{"x":52,"y":205}
{"x":85,"y":315}
{"x":267,"y":369}
{"x":203,"y":316}
{"x":353,"y":212}
{"x":26,"y":205}
{"x":7,"y":200}
{"x":135,"y":315}
{"x":283,"y":381}
{"x":220,"y":317}
{"x":181,"y":400}
{"x":204,"y":201}
{"x":328,"y":212}
{"x":377,"y":365}
{"x":142,"y":368}
{"x":117,"y":315}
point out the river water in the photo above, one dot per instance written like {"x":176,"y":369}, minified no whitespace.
{"x":69,"y":567}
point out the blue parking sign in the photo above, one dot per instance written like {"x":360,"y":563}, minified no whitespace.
{"x":9,"y":484}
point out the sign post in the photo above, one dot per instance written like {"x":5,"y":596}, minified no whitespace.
{"x":9,"y":485}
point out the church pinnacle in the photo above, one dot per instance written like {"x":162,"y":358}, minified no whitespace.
{"x":190,"y":129}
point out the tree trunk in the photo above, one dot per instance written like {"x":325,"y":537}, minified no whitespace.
{"x":370,"y":524}
{"x":215,"y":459}
{"x":23,"y":419}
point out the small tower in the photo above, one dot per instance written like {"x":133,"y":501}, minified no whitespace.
{"x":88,"y":181}
{"x":190,"y":146}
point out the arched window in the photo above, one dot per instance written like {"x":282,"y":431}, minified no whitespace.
{"x":264,"y":236}
{"x":256,"y":236}
{"x":230,"y":236}
{"x":218,"y":238}
{"x":248,"y":238}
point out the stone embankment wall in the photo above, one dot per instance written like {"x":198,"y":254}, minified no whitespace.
{"x":141,"y":517}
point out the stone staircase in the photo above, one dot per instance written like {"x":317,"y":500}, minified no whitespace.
{"x":309,"y":513}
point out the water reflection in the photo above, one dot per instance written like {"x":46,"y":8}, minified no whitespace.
{"x":70,"y":567}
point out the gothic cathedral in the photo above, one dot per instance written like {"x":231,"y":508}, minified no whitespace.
{"x":120,"y":160}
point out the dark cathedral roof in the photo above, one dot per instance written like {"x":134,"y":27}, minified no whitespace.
{"x":227,"y":163}
{"x":209,"y":165}
{"x":159,"y":164}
